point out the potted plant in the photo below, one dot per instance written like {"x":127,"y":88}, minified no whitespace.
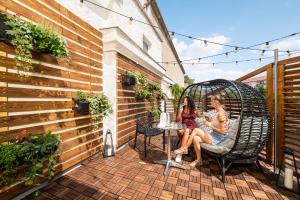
{"x":26,"y":37}
{"x":155,"y":113}
{"x":81,"y":103}
{"x":129,"y":78}
{"x":23,"y":158}
{"x":154,"y":87}
{"x":144,"y":93}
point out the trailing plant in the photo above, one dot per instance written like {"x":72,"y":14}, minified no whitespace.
{"x":176,"y":90}
{"x":99,"y":105}
{"x":22,"y":40}
{"x":154,"y":87}
{"x":144,"y":93}
{"x":161,"y":95}
{"x":139,"y":79}
{"x":25,"y":37}
{"x":155,"y":112}
{"x":128,"y":73}
{"x":29,"y":152}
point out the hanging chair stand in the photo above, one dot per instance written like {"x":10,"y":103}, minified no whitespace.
{"x":244,"y":105}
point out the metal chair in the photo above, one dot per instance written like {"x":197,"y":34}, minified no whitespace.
{"x":145,"y":127}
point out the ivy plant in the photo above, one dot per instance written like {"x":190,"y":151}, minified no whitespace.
{"x":155,"y":112}
{"x":25,"y":37}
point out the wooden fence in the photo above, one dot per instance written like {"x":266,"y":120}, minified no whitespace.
{"x":129,"y":108}
{"x":43,"y":101}
{"x":288,"y":94}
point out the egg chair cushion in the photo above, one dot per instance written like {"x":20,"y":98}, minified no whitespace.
{"x":228,"y":143}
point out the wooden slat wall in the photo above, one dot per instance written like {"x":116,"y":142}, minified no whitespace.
{"x":129,"y":109}
{"x":289,"y":107}
{"x":43,"y":101}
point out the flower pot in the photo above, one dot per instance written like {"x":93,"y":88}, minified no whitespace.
{"x":3,"y":29}
{"x":128,"y":80}
{"x":81,"y":106}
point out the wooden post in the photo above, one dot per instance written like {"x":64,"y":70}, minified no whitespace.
{"x":269,"y":101}
{"x":280,"y":124}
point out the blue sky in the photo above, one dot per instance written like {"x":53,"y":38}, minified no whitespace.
{"x":237,"y":22}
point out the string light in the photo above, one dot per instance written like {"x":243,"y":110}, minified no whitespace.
{"x":267,"y":45}
{"x":289,"y":53}
{"x":195,"y":38}
{"x":236,"y":49}
{"x":226,"y":54}
{"x":205,"y":43}
{"x":236,"y":62}
{"x":260,"y":60}
{"x":199,"y":59}
{"x":263,"y":52}
{"x":213,"y":64}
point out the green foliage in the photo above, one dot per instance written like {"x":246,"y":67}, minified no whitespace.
{"x":26,"y":36}
{"x":99,"y":105}
{"x":30,"y":153}
{"x":154,"y":87}
{"x":176,"y":90}
{"x":47,"y":41}
{"x":144,"y":93}
{"x":161,"y":95}
{"x":128,"y":73}
{"x":262,"y":89}
{"x":188,"y":80}
{"x":139,"y":79}
{"x":155,"y":112}
{"x":81,"y":96}
{"x":22,"y":40}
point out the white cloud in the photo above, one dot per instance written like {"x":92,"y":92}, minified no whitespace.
{"x":205,"y":72}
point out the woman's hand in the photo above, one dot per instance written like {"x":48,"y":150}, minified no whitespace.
{"x":207,"y":123}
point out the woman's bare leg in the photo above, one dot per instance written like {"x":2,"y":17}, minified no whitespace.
{"x":185,"y":137}
{"x":205,"y":137}
{"x":197,"y":140}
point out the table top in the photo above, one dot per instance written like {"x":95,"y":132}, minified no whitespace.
{"x":172,"y":126}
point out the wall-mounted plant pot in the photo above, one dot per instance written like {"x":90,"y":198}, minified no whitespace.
{"x":128,"y":80}
{"x":3,"y":29}
{"x":81,"y":106}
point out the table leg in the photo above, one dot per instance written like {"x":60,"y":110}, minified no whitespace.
{"x":169,"y":162}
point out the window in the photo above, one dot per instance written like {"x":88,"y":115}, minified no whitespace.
{"x":146,"y":45}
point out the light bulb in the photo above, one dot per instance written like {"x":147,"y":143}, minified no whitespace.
{"x":236,"y":49}
{"x":267,"y":44}
{"x":226,"y":54}
{"x":205,"y":43}
{"x":263,"y":52}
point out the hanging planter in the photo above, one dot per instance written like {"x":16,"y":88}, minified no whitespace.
{"x":3,"y":29}
{"x":81,"y":106}
{"x":26,"y":38}
{"x":128,"y":80}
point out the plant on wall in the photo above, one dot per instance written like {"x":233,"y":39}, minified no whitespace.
{"x":25,"y":37}
{"x":154,"y":87}
{"x":161,"y":95}
{"x":22,"y":159}
{"x":144,"y":93}
{"x":97,"y":105}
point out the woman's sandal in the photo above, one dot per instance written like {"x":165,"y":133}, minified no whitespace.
{"x":196,"y":163}
{"x":181,"y":151}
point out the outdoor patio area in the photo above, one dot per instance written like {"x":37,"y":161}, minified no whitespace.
{"x":129,"y":176}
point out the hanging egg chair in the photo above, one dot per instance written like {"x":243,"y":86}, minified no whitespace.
{"x":249,"y":124}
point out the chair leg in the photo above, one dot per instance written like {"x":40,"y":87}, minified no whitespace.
{"x":164,"y":140}
{"x":259,"y":166}
{"x":278,"y":175}
{"x":145,"y":145}
{"x":135,"y":138}
{"x":223,"y":170}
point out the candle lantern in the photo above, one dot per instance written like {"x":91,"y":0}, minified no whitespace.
{"x":109,"y":148}
{"x":288,"y":171}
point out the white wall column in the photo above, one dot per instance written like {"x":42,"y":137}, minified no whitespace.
{"x":110,"y":90}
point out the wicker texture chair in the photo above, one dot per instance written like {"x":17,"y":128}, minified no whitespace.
{"x":243,"y":103}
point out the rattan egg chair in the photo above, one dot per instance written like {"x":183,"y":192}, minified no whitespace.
{"x":250,"y":127}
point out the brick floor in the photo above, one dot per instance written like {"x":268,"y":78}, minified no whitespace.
{"x":128,"y":175}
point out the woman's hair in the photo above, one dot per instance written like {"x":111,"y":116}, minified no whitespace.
{"x":219,"y":98}
{"x":190,"y":104}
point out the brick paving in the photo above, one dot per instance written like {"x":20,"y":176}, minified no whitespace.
{"x":128,"y":175}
